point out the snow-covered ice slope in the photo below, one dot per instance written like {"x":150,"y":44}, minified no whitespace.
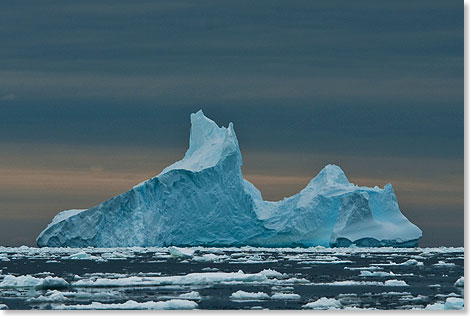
{"x":204,"y":200}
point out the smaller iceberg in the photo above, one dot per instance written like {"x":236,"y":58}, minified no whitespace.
{"x":203,"y":200}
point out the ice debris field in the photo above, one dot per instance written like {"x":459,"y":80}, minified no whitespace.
{"x":203,"y":200}
{"x":231,"y":278}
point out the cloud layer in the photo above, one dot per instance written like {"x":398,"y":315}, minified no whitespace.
{"x":95,"y":96}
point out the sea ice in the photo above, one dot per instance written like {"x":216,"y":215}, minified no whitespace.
{"x":209,"y":257}
{"x":52,"y":283}
{"x":11,"y":281}
{"x":181,"y":252}
{"x":48,"y":297}
{"x":324,"y":303}
{"x":327,"y":262}
{"x":285,"y":296}
{"x":371,"y":268}
{"x":113,"y":256}
{"x":130,"y":305}
{"x":365,"y":273}
{"x":410,"y":262}
{"x":451,"y":303}
{"x":454,"y":303}
{"x":242,"y":295}
{"x":188,"y":279}
{"x":82,"y":256}
{"x":209,"y":269}
{"x":366,"y":283}
{"x":395,"y":283}
{"x":193,"y":295}
{"x":460,"y":282}
{"x":447,"y":295}
{"x":444,"y":264}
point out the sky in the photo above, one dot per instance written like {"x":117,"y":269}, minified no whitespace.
{"x":95,"y":97}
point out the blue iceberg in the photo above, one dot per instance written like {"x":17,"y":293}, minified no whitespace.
{"x":203,"y":200}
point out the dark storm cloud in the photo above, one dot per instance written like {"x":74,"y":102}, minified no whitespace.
{"x":175,"y":53}
{"x":375,"y":86}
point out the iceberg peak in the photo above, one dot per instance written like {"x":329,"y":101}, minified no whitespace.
{"x":209,"y":145}
{"x":330,"y":175}
{"x":203,"y":131}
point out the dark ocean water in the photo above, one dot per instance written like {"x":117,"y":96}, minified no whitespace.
{"x":378,"y":278}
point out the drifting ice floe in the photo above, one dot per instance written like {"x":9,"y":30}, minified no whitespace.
{"x":181,"y":252}
{"x":285,"y":296}
{"x":82,"y":256}
{"x":193,"y":295}
{"x":410,"y":262}
{"x":55,"y":296}
{"x":188,"y":279}
{"x":49,"y":297}
{"x":451,"y":303}
{"x":324,"y":303}
{"x":444,"y":264}
{"x":366,"y":283}
{"x":204,"y":200}
{"x":366,"y":273}
{"x":460,"y":282}
{"x":242,"y":295}
{"x":11,"y":281}
{"x":171,"y":304}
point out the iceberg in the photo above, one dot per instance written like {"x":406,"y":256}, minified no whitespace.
{"x":203,"y":200}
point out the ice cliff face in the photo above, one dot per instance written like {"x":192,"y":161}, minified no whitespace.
{"x":204,"y":200}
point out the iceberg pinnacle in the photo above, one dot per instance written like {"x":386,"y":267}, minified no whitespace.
{"x":329,"y":176}
{"x":204,"y":200}
{"x":208,"y":144}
